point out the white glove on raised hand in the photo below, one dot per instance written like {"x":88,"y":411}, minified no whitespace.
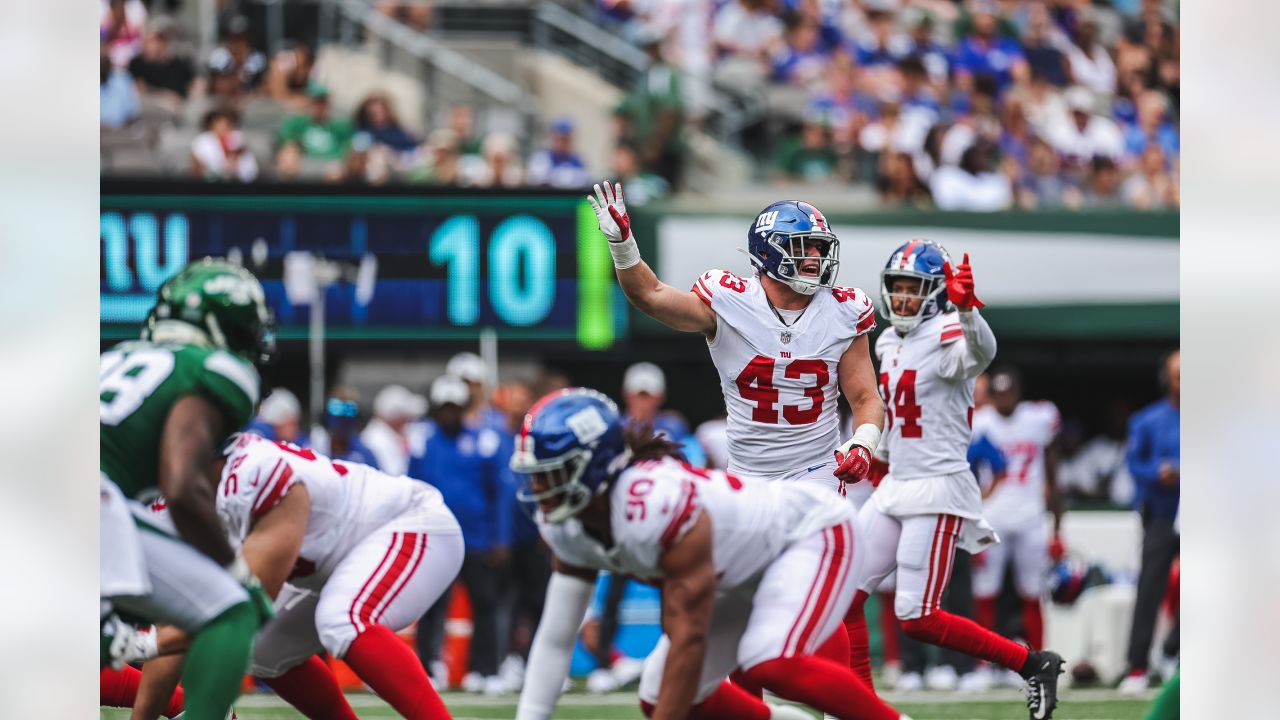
{"x":611,"y":214}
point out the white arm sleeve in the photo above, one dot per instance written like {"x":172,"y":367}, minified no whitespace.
{"x":963,"y":360}
{"x":566,"y":604}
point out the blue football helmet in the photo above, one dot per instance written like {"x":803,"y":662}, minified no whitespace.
{"x":571,"y":444}
{"x":776,"y":244}
{"x":921,"y":259}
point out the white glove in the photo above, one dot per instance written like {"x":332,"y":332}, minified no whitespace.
{"x":611,"y":214}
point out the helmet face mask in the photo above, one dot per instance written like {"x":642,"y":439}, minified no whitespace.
{"x":778,"y":244}
{"x":570,"y":448}
{"x":922,"y":260}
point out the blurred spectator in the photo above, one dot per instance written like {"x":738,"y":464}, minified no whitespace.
{"x":317,"y":133}
{"x":898,"y":183}
{"x":338,"y":435}
{"x":279,"y":417}
{"x":117,"y":97}
{"x":1153,"y":126}
{"x":444,"y":160}
{"x":376,"y":117}
{"x":388,"y":434}
{"x":290,"y":75}
{"x":1085,"y":135}
{"x":1041,"y":45}
{"x":809,"y":155}
{"x":1151,"y":187}
{"x":652,"y":116}
{"x":236,"y":53}
{"x":365,"y":163}
{"x":288,"y":165}
{"x":882,"y":44}
{"x":219,"y":152}
{"x":417,"y":14}
{"x":1103,"y":187}
{"x":501,"y":167}
{"x":1043,"y":185}
{"x":713,"y":436}
{"x":120,"y":25}
{"x":973,"y":185}
{"x":800,"y":60}
{"x":640,"y":188}
{"x":986,"y":52}
{"x":475,"y":372}
{"x":513,"y":400}
{"x":559,"y":165}
{"x":1154,"y":460}
{"x":747,"y":31}
{"x":1094,"y":469}
{"x":224,"y":88}
{"x":463,"y":464}
{"x":932,"y":56}
{"x":1090,"y":62}
{"x":462,"y":121}
{"x":157,"y":69}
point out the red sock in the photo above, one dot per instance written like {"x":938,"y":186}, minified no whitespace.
{"x":889,"y":628}
{"x":943,"y":629}
{"x":312,"y":688}
{"x":388,"y":666}
{"x":1033,"y":622}
{"x":984,"y":611}
{"x":835,"y":649}
{"x":177,"y":702}
{"x":823,"y":685}
{"x":118,"y":688}
{"x":855,"y":627}
{"x":727,"y":702}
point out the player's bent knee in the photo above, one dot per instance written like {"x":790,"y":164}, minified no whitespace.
{"x":336,"y":636}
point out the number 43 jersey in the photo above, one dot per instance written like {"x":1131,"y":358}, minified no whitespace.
{"x":138,"y":384}
{"x":780,"y":382}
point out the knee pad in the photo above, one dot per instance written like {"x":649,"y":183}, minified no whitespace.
{"x":928,"y":628}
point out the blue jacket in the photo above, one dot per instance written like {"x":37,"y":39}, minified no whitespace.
{"x":470,"y":471}
{"x":1154,"y":439}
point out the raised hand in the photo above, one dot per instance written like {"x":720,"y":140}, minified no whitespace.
{"x":611,"y":212}
{"x":960,"y":285}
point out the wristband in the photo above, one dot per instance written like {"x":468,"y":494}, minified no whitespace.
{"x":625,"y":252}
{"x":867,"y":435}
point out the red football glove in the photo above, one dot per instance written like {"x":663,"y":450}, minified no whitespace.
{"x":1057,"y":548}
{"x":879,"y":469}
{"x":960,"y":285}
{"x":852,"y":467}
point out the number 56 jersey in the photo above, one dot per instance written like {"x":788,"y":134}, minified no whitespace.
{"x":780,"y":382}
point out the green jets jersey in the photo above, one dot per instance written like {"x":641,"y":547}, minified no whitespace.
{"x":139,"y":382}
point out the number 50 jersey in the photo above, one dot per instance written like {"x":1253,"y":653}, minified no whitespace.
{"x":779,"y":381}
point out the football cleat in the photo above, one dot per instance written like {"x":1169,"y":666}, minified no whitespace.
{"x":941,"y":677}
{"x":1042,"y":684}
{"x":909,"y":682}
{"x":1135,"y":683}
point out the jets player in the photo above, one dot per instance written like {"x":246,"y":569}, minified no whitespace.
{"x":782,"y":341}
{"x":1026,"y":433}
{"x":755,"y":576}
{"x":166,"y":405}
{"x":929,"y":503}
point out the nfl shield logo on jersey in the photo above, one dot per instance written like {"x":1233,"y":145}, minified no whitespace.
{"x":786,"y":336}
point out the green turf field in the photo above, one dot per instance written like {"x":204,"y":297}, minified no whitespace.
{"x":995,"y":705}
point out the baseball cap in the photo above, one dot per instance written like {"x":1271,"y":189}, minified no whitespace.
{"x":394,"y":402}
{"x":562,"y":125}
{"x":644,"y":377}
{"x":449,"y":389}
{"x":280,"y":406}
{"x":1079,"y":98}
{"x":468,"y":366}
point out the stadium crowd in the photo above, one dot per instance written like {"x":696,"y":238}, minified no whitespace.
{"x":966,"y":105}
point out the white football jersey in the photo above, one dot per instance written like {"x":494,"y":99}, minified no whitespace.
{"x":654,"y":503}
{"x":1022,"y":437}
{"x":926,"y":382}
{"x":348,"y":501}
{"x":780,"y":382}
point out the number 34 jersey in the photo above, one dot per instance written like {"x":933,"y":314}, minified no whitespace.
{"x":138,"y":384}
{"x":780,"y":382}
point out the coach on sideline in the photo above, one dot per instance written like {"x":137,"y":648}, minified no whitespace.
{"x":1154,"y":440}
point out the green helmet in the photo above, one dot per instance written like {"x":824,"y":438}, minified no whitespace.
{"x":224,"y":305}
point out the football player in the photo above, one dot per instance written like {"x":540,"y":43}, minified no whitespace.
{"x":364,"y":554}
{"x":1026,"y":434}
{"x":166,"y":405}
{"x":929,"y":503}
{"x":785,"y":341}
{"x":755,"y":575}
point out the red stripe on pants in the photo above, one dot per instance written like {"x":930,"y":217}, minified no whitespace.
{"x":351,"y":613}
